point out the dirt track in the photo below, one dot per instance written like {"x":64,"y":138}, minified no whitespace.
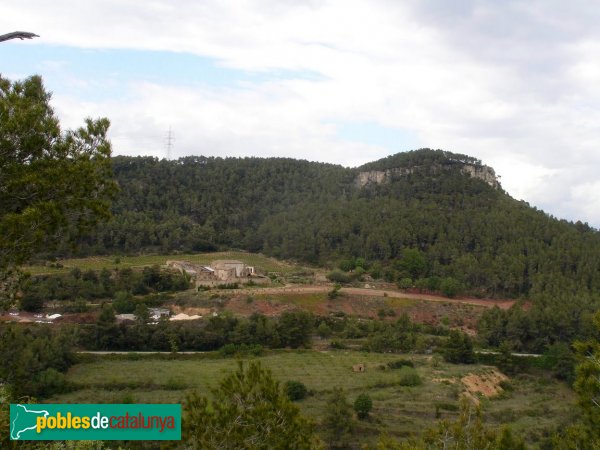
{"x":313,"y":289}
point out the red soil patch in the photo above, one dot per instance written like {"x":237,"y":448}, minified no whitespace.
{"x":487,"y":384}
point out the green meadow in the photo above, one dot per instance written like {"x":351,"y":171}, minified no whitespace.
{"x":530,"y":404}
{"x":264,"y":263}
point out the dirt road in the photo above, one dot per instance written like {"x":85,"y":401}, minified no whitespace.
{"x":314,"y":289}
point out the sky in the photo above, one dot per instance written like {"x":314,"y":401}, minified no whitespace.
{"x":513,"y":83}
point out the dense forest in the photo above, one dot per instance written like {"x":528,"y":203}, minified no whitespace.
{"x":450,"y":224}
{"x":422,"y":218}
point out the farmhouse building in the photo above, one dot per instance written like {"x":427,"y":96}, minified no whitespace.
{"x":222,"y":271}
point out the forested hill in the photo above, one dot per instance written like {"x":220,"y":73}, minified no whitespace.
{"x":424,"y":215}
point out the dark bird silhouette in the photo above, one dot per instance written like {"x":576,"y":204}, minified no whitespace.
{"x":17,"y":35}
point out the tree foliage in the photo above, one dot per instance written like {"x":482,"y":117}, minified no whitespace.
{"x":459,"y":348}
{"x":295,"y":390}
{"x":249,"y":410}
{"x":54,"y":184}
{"x":363,"y":406}
{"x":438,"y":227}
{"x":34,"y":359}
{"x":338,"y":422}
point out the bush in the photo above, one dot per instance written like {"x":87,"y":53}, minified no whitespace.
{"x":31,"y":303}
{"x":50,"y":382}
{"x":338,"y":277}
{"x":459,"y":348}
{"x":123,"y":303}
{"x":337,"y":344}
{"x":323,"y":330}
{"x":409,"y":377}
{"x":450,"y":287}
{"x":228,"y":350}
{"x":295,"y":390}
{"x":363,"y":405}
{"x":405,"y":283}
{"x":399,"y":363}
{"x":334,"y":293}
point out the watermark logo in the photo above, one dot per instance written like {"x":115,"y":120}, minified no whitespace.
{"x":95,"y":422}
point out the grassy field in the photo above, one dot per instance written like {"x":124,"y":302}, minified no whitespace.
{"x":110,"y":262}
{"x":532,"y":407}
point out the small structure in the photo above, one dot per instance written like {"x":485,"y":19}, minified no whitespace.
{"x":191,"y":269}
{"x":358,"y":368}
{"x":157,"y":313}
{"x":229,"y":269}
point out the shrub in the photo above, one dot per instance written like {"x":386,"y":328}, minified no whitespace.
{"x":295,"y":390}
{"x":450,"y":287}
{"x":338,"y":277}
{"x":334,"y":293}
{"x":459,"y":348}
{"x":409,"y":377}
{"x":337,"y":344}
{"x":405,"y":283}
{"x":228,"y":350}
{"x":323,"y":330}
{"x":31,"y":303}
{"x":399,"y":363}
{"x":50,"y":382}
{"x":123,"y":303}
{"x":363,"y":405}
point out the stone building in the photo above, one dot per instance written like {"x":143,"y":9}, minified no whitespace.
{"x":222,"y":271}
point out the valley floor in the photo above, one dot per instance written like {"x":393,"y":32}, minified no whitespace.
{"x":531,"y":405}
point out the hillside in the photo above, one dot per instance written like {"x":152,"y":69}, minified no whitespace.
{"x":424,"y":215}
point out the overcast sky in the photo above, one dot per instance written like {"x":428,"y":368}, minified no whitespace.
{"x":516,"y":84}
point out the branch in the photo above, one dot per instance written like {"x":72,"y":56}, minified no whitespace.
{"x":17,"y":35}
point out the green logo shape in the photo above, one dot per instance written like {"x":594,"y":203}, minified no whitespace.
{"x":104,"y":422}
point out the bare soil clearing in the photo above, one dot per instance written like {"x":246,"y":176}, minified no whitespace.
{"x":315,"y":289}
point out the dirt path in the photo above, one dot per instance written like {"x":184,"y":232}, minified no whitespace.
{"x":312,"y":289}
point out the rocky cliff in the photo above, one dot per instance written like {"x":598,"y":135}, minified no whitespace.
{"x":481,"y":172}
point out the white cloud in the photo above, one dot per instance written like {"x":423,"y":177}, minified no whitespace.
{"x":514,"y":84}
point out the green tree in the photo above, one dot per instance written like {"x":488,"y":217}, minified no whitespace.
{"x":294,"y":328}
{"x":450,"y":287}
{"x":405,"y":283}
{"x":123,"y":302}
{"x":459,"y":348}
{"x":363,"y":405}
{"x":561,"y":360}
{"x":413,"y":262}
{"x":106,"y":328}
{"x":324,"y":330}
{"x":585,"y":433}
{"x":52,"y":183}
{"x":338,"y":421}
{"x":34,"y":359}
{"x":468,"y":432}
{"x":248,"y":411}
